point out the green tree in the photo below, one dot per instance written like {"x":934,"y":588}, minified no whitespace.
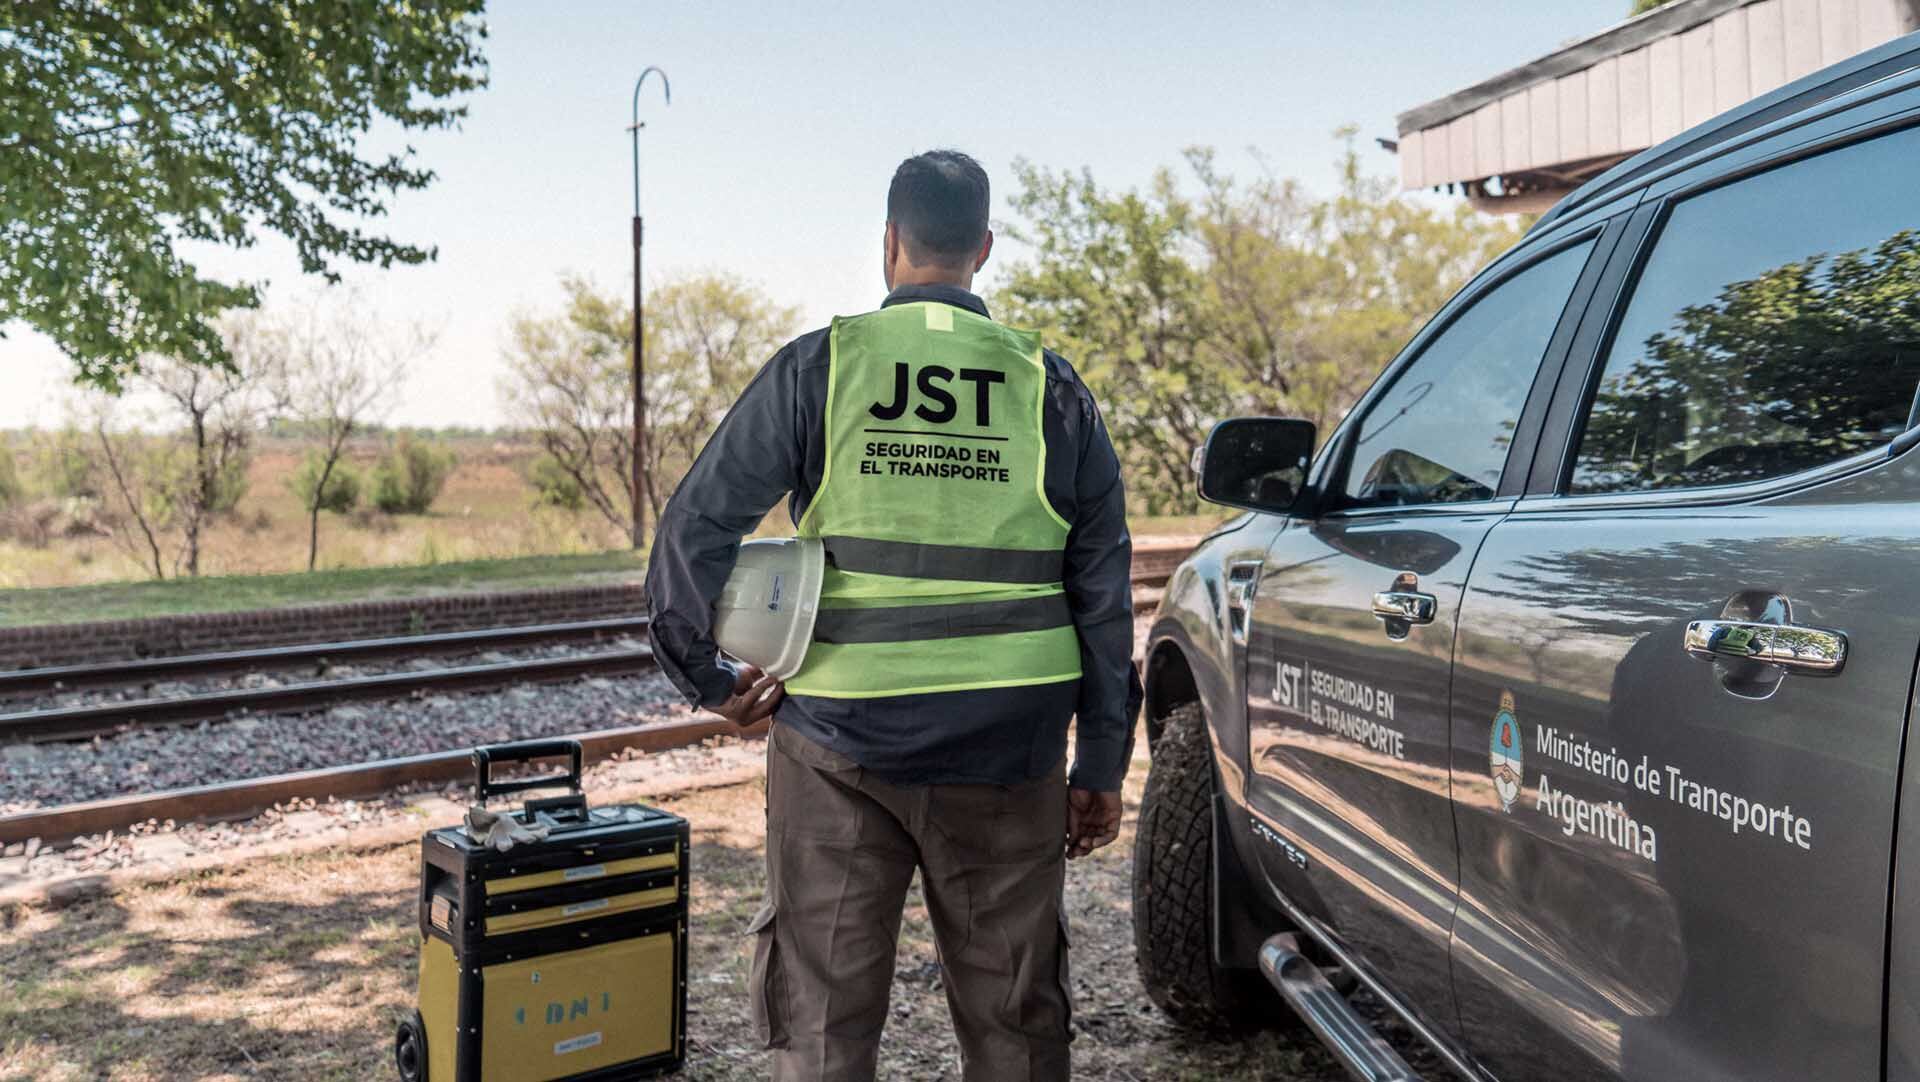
{"x":323,"y":486}
{"x":334,"y":375}
{"x":1308,"y":297}
{"x":164,"y":466}
{"x":1116,"y":284}
{"x":569,"y":380}
{"x":131,"y":129}
{"x":706,"y":337}
{"x":218,"y":410}
{"x":1248,"y":297}
{"x":1641,"y":7}
{"x":410,"y":476}
{"x":554,"y":485}
{"x":148,"y":478}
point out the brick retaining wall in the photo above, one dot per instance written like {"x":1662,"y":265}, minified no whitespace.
{"x":109,"y":640}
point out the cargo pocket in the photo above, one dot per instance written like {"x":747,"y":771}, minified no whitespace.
{"x":767,"y":983}
{"x":1064,"y":974}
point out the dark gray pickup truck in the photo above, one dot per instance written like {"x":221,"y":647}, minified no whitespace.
{"x":1560,"y":698}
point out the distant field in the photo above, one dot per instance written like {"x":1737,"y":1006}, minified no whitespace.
{"x":485,"y":512}
{"x":232,"y":593}
{"x":1150,"y":529}
{"x":483,"y":532}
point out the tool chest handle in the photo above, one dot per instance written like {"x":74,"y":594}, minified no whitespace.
{"x":484,"y":758}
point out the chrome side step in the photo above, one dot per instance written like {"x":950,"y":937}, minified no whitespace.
{"x":1363,"y":1052}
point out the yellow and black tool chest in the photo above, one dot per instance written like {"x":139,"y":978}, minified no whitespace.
{"x":561,"y":956}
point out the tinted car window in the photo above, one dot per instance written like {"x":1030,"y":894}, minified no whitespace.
{"x":1775,"y":327}
{"x":1440,"y":434}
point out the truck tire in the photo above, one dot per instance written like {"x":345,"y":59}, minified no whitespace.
{"x":1173,"y":891}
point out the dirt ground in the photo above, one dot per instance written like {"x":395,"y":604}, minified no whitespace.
{"x":297,"y":968}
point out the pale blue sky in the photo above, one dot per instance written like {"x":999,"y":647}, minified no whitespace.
{"x":787,"y":121}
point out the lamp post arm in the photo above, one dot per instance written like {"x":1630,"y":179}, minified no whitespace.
{"x":641,"y":488}
{"x":666,"y":89}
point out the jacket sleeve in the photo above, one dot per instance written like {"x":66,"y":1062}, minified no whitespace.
{"x":751,"y":461}
{"x":1099,"y":584}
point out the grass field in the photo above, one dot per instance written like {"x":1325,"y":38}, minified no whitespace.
{"x":485,"y":512}
{"x":484,"y":532}
{"x":230,"y":593}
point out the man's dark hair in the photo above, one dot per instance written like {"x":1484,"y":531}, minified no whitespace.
{"x":938,"y":201}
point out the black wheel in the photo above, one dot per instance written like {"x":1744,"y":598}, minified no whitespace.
{"x":410,"y":1049}
{"x":1173,"y":890}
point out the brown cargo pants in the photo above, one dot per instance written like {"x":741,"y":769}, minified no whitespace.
{"x":842,"y":847}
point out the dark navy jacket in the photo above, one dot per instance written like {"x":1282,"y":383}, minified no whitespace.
{"x":770,"y":445}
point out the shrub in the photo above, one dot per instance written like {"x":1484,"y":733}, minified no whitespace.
{"x":10,"y":491}
{"x":342,"y":493}
{"x":65,"y":465}
{"x":230,"y":481}
{"x":553,"y":486}
{"x":39,"y":523}
{"x":410,"y":477}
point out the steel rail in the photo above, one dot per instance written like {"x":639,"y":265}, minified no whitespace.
{"x":18,"y":682}
{"x":242,"y":799}
{"x":80,"y":722}
{"x":1154,"y":564}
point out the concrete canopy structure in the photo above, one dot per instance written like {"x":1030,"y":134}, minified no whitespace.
{"x":1524,"y":138}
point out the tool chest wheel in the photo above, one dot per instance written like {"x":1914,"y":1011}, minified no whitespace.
{"x":410,"y":1049}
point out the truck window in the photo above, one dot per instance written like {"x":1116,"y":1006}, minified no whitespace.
{"x":1775,"y":327}
{"x":1440,"y":433}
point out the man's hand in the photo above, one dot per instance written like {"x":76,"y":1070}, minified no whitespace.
{"x":1093,"y":820}
{"x":755,"y":694}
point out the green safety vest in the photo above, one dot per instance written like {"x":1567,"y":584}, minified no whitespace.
{"x":943,"y":556}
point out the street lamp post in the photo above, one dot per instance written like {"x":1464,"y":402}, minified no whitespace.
{"x":641,"y":483}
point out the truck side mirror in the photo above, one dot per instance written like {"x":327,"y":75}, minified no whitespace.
{"x":1259,"y":463}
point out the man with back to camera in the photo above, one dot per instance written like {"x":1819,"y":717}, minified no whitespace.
{"x":977,"y":597}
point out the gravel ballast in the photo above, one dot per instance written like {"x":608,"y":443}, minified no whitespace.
{"x":269,"y":676}
{"x":173,"y":757}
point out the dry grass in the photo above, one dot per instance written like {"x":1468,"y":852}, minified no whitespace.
{"x":297,"y":968}
{"x":231,"y":593}
{"x":278,"y":970}
{"x":485,"y":512}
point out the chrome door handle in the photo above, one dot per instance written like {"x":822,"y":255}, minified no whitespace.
{"x":1814,"y":651}
{"x":1405,"y":606}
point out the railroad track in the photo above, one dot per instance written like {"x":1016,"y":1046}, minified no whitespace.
{"x":1152,"y":565}
{"x":81,"y":722}
{"x":21,"y":682}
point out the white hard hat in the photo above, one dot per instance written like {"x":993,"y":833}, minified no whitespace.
{"x":765,"y":614}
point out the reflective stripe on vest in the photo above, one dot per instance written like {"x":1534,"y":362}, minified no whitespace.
{"x":908,"y":559}
{"x":906,"y":623}
{"x":944,"y":558}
